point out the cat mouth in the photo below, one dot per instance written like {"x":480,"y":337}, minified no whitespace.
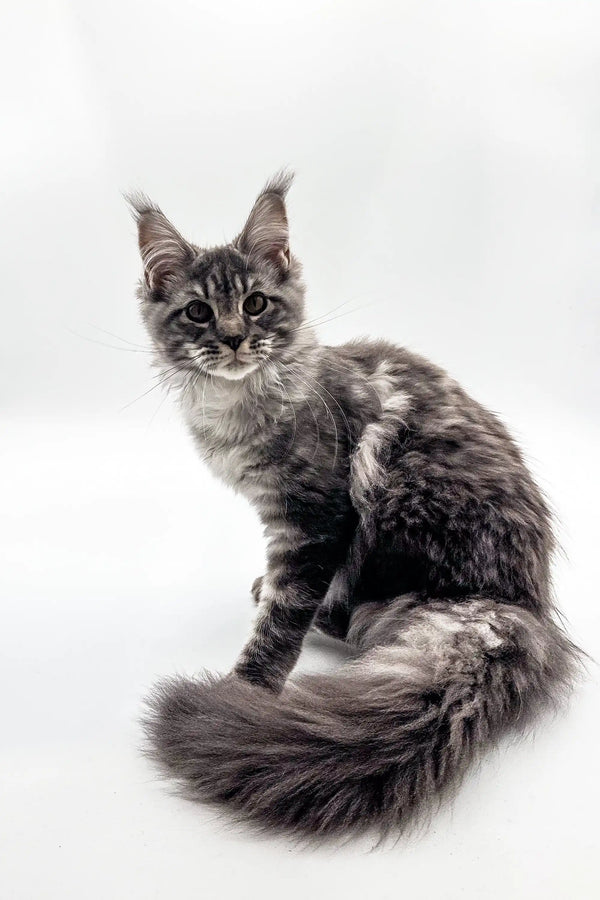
{"x":236,"y":368}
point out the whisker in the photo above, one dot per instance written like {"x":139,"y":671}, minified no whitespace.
{"x":83,"y":337}
{"x":203,"y":406}
{"x":153,"y":388}
{"x":315,"y":319}
{"x":316,"y":421}
{"x":164,"y":377}
{"x":295,"y":374}
{"x":307,"y":325}
{"x":342,"y":413}
{"x":159,"y":407}
{"x":279,"y":384}
{"x":343,"y":370}
{"x":119,"y":338}
{"x":292,"y":407}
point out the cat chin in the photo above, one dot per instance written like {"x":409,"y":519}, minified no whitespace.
{"x":236,"y":374}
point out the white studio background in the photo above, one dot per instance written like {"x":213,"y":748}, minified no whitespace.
{"x":448,"y":192}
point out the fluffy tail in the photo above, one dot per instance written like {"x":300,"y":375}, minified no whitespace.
{"x":377,"y":743}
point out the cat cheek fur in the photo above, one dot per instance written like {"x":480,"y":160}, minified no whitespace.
{"x":400,"y":517}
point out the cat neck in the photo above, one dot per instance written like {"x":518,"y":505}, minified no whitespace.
{"x":220,"y":409}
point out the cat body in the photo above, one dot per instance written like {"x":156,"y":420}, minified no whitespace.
{"x":400,"y":518}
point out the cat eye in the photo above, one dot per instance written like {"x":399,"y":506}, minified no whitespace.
{"x":198,"y":312}
{"x":255,"y":303}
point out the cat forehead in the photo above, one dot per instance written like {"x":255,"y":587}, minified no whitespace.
{"x":222,"y":273}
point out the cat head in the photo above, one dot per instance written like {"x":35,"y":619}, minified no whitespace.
{"x":225,"y":311}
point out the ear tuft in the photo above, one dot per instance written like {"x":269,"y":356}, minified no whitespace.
{"x":280,"y":183}
{"x":163,"y":250}
{"x":266,"y":233}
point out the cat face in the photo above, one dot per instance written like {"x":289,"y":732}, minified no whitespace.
{"x":227,"y":311}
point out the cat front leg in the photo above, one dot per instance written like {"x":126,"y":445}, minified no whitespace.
{"x":290,"y":594}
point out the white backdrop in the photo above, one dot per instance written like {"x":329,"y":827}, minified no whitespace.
{"x":448,"y":192}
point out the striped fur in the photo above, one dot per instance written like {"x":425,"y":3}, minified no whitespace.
{"x":400,"y":518}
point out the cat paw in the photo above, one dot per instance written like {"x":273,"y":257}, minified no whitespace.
{"x":258,"y":676}
{"x":256,"y":588}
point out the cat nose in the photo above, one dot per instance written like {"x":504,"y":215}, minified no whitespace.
{"x":233,"y":341}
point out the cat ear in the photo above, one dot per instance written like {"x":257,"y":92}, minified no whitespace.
{"x":266,"y":233}
{"x":163,"y":250}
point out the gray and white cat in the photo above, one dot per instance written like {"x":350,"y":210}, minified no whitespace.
{"x":400,"y":518}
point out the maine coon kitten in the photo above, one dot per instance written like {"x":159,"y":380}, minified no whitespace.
{"x":400,"y":518}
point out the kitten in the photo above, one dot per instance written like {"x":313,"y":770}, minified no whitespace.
{"x":400,"y":518}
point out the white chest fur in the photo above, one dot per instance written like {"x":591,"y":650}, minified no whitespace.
{"x":232,"y":425}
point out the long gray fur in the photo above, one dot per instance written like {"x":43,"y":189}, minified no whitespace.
{"x":400,"y":518}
